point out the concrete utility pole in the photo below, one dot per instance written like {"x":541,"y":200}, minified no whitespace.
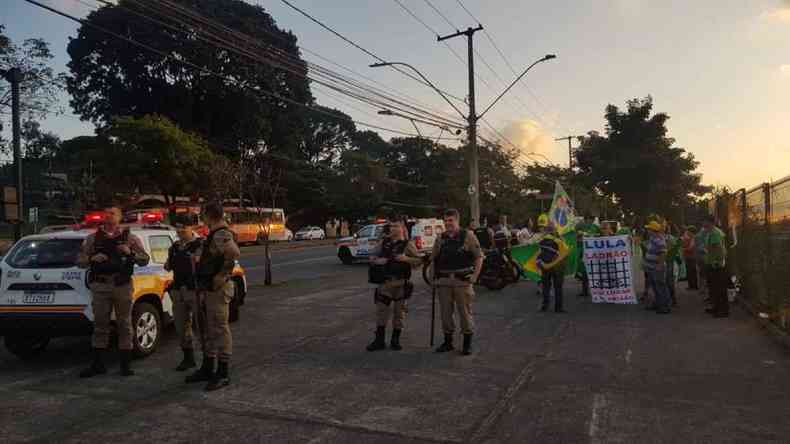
{"x":14,"y":76}
{"x":570,"y":160}
{"x":474,"y":171}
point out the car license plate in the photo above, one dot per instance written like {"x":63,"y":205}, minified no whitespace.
{"x":38,"y":298}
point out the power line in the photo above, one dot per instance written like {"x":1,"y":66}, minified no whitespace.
{"x":208,"y":71}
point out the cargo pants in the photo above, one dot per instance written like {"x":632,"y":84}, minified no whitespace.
{"x":394,"y":292}
{"x":456,"y":295}
{"x":106,"y":298}
{"x":219,"y":342}
{"x":185,"y":314}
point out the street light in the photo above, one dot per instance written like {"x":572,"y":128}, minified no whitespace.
{"x":389,"y":112}
{"x":545,"y":58}
{"x":439,"y":91}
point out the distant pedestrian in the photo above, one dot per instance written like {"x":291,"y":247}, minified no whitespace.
{"x":699,"y":254}
{"x":655,"y":267}
{"x":690,"y":257}
{"x":715,"y":268}
{"x":674,"y":247}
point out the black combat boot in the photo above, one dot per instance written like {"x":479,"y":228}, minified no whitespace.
{"x":126,"y":363}
{"x":220,"y":379}
{"x":97,"y":366}
{"x":467,"y":345}
{"x":204,"y":373}
{"x":395,"y":341}
{"x":447,"y":345}
{"x":378,"y":343}
{"x":188,"y":361}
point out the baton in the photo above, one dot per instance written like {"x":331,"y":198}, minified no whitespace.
{"x":200,"y":315}
{"x":433,"y":305}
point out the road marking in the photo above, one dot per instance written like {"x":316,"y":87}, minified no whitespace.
{"x":628,"y":356}
{"x":599,"y":403}
{"x":303,"y":261}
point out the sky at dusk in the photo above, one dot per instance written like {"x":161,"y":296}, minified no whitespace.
{"x":719,"y":68}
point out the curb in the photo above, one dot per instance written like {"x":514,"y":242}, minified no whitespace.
{"x":779,"y":335}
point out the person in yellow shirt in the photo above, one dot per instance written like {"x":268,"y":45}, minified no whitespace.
{"x":551,"y":263}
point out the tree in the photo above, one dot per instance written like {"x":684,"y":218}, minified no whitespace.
{"x":156,"y":153}
{"x":637,"y":164}
{"x":40,"y":86}
{"x":233,"y":111}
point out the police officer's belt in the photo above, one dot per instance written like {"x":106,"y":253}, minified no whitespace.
{"x":456,"y":274}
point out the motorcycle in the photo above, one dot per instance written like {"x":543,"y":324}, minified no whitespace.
{"x":499,"y":270}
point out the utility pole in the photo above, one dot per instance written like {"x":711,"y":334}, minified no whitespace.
{"x":570,"y":162}
{"x":474,"y":171}
{"x":14,"y":76}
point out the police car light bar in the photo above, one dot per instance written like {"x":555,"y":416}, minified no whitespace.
{"x":153,"y":217}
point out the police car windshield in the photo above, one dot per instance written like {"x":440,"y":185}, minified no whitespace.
{"x":45,"y":253}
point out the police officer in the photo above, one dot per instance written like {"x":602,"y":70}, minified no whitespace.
{"x":215,"y":289}
{"x":181,"y":260}
{"x":551,"y":263}
{"x":396,"y":256}
{"x":111,"y":254}
{"x":457,"y":259}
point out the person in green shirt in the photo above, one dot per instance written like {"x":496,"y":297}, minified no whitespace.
{"x":585,"y":228}
{"x":674,"y":246}
{"x":715,"y":258}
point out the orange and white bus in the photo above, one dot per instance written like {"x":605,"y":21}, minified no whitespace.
{"x":252,"y":224}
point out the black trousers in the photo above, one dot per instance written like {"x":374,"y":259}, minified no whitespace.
{"x":717,"y":287}
{"x":691,"y":273}
{"x":553,"y":278}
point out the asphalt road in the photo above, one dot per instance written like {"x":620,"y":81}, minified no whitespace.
{"x":300,"y":260}
{"x":597,"y":374}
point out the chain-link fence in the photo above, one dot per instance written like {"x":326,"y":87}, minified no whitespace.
{"x":758,"y":224}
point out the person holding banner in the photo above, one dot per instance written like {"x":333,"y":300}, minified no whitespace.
{"x":585,"y":229}
{"x":551,"y":263}
{"x":655,"y":264}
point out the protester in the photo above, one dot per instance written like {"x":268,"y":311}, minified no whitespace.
{"x":674,"y":246}
{"x":715,"y":262}
{"x":586,"y":228}
{"x":655,"y":267}
{"x":699,"y":253}
{"x":690,"y":256}
{"x":551,"y":263}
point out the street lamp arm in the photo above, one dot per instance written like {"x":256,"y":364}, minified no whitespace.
{"x":547,"y":57}
{"x":378,"y":65}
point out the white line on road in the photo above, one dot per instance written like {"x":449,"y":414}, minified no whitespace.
{"x":628,"y":354}
{"x":303,"y":261}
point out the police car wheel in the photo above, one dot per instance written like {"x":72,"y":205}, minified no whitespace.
{"x":26,"y":347}
{"x":146,"y":328}
{"x":345,"y":256}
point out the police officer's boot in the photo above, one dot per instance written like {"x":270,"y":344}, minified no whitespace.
{"x":220,"y":379}
{"x":395,"y":341}
{"x":378,"y":343}
{"x":97,"y":366}
{"x":467,"y":350}
{"x":126,"y":363}
{"x":204,"y":373}
{"x":447,"y":345}
{"x":188,"y":361}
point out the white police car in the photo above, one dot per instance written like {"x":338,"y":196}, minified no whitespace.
{"x":359,"y":246}
{"x":43,"y":294}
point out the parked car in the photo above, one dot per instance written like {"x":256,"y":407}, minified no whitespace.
{"x":310,"y":233}
{"x":43,"y":294}
{"x":359,"y":246}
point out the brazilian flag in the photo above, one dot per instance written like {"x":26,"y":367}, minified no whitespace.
{"x":527,"y":255}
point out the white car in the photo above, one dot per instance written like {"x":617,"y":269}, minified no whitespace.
{"x":310,"y":233}
{"x":359,"y":246}
{"x":43,"y":294}
{"x":425,"y":232}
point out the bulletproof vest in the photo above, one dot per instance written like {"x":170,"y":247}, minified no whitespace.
{"x":452,"y":255}
{"x":395,"y":269}
{"x":549,"y":249}
{"x":181,"y":263}
{"x":210,"y":263}
{"x":118,"y":264}
{"x":484,"y":236}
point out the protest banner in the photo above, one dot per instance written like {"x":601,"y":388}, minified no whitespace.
{"x":609,"y":265}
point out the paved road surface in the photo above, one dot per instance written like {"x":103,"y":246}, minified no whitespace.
{"x":305,"y":261}
{"x":300,"y":375}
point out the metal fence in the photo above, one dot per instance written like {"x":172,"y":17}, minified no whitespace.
{"x":757,"y":222}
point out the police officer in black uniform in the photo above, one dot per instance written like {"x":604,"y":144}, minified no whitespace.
{"x":181,"y":260}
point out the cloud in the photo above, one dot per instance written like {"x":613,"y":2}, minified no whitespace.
{"x":785,"y":69}
{"x":779,"y":15}
{"x":530,"y":137}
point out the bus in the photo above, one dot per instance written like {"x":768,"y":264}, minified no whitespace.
{"x":250,"y":225}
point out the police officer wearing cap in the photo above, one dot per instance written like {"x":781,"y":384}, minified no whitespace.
{"x":392,"y":260}
{"x":181,"y":260}
{"x":458,"y":260}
